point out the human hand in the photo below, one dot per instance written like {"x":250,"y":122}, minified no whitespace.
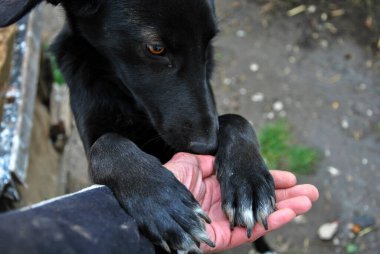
{"x":196,"y":173}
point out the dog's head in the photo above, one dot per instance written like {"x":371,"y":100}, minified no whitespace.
{"x":162,"y":52}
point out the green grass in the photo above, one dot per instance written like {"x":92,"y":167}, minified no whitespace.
{"x":280,"y":150}
{"x":57,"y":74}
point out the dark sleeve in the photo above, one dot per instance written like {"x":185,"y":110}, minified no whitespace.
{"x":90,"y":221}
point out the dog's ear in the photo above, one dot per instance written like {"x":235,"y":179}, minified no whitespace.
{"x":13,"y":10}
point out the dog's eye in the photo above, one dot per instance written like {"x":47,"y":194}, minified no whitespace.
{"x":156,"y":49}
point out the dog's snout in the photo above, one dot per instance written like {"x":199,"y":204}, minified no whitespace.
{"x":204,"y":145}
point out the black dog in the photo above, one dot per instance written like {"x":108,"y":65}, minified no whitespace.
{"x":139,"y":75}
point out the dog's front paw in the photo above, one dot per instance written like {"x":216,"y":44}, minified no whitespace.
{"x":247,"y":190}
{"x":166,"y":213}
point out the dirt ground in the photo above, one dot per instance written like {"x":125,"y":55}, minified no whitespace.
{"x":324,"y":72}
{"x":329,"y":84}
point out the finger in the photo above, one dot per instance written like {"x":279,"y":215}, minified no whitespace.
{"x":275,"y":221}
{"x":206,"y":164}
{"x":307,"y":190}
{"x":299,"y":205}
{"x":283,"y":179}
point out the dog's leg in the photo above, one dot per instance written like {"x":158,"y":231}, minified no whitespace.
{"x":247,"y":186}
{"x":165,"y":211}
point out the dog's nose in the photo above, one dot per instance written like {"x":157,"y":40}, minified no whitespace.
{"x":204,"y":146}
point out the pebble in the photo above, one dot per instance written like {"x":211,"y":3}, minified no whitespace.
{"x":369,"y":112}
{"x":292,"y":60}
{"x":327,"y":231}
{"x":324,"y":16}
{"x":287,"y":70}
{"x":21,"y":27}
{"x":333,"y":171}
{"x":363,"y":86}
{"x":300,"y":219}
{"x":282,"y":114}
{"x":227,"y":81}
{"x":365,"y":161}
{"x":311,"y":9}
{"x":241,"y":33}
{"x":243,"y":91}
{"x":226,"y":101}
{"x":278,"y":106}
{"x":345,"y":124}
{"x":254,"y":67}
{"x":335,"y":105}
{"x":327,"y":153}
{"x":336,"y":241}
{"x":324,"y":43}
{"x":257,"y":97}
{"x":269,"y":115}
{"x":315,"y":36}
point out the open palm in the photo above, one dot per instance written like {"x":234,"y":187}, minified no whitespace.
{"x":196,"y":172}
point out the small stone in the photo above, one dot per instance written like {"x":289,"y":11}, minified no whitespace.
{"x":369,"y":112}
{"x":257,"y":97}
{"x":292,"y":59}
{"x":315,"y":36}
{"x":241,"y":33}
{"x":300,"y":219}
{"x":21,"y":27}
{"x":336,"y":241}
{"x":324,"y":43}
{"x":226,"y":101}
{"x":269,"y":116}
{"x":363,"y":86}
{"x":355,"y":228}
{"x":287,"y":70}
{"x":335,"y":105}
{"x":365,"y":161}
{"x":311,"y":9}
{"x":327,"y":153}
{"x":243,"y":91}
{"x":368,"y":64}
{"x":345,"y":124}
{"x":324,"y":16}
{"x":282,"y":114}
{"x":333,"y":171}
{"x":357,"y":134}
{"x":254,"y":67}
{"x":227,"y":81}
{"x":278,"y":106}
{"x":327,"y":231}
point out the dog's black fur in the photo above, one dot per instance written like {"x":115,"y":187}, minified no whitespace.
{"x":134,"y":110}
